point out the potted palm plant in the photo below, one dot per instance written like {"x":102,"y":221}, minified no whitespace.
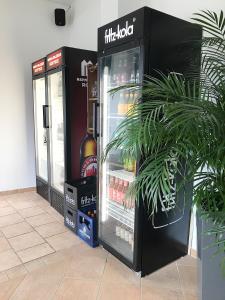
{"x":183,"y":119}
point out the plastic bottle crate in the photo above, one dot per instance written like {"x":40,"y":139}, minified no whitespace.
{"x":70,"y":218}
{"x":81,"y":193}
{"x":87,"y":229}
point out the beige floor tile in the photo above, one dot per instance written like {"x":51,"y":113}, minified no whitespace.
{"x":189,"y":281}
{"x":50,"y":229}
{"x":30,"y":212}
{"x":118,"y":291}
{"x":7,"y":210}
{"x":158,"y":293}
{"x":3,"y":277}
{"x":25,"y":241}
{"x":63,"y":240}
{"x":187,"y":261}
{"x":10,"y":219}
{"x":8,"y":288}
{"x":4,"y":245}
{"x":8,"y":260}
{"x":86,"y":267}
{"x":57,"y":257}
{"x":4,"y":203}
{"x":22,"y":203}
{"x":188,"y":296}
{"x":41,"y":284}
{"x":77,"y":289}
{"x":16,"y":272}
{"x":35,"y":252}
{"x":34,"y":265}
{"x":16,"y":229}
{"x":40,"y":220}
{"x":115,"y":271}
{"x":167,"y":277}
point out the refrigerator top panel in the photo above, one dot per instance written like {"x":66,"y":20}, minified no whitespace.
{"x":122,"y":30}
{"x":140,"y":25}
{"x":55,"y":59}
{"x":38,"y":67}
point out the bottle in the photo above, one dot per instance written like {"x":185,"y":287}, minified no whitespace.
{"x":124,"y":72}
{"x":120,"y":106}
{"x":94,"y":90}
{"x":88,"y":147}
{"x":126,"y":235}
{"x":130,"y":102}
{"x":137,"y":79}
{"x":119,"y":191}
{"x":132,"y":77}
{"x":118,"y":229}
{"x":88,"y":156}
{"x":111,"y":187}
{"x":115,"y":189}
{"x":123,"y":194}
{"x":122,"y":232}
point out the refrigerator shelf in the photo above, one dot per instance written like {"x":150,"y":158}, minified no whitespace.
{"x":117,"y":117}
{"x":122,"y":174}
{"x":115,"y":164}
{"x":122,"y":220}
{"x":93,"y":99}
{"x":121,"y":215}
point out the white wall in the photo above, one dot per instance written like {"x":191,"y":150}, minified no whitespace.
{"x":180,"y":9}
{"x":27,"y":32}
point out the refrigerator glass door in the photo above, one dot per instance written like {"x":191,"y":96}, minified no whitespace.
{"x":117,"y":212}
{"x":40,"y":132}
{"x":56,"y":132}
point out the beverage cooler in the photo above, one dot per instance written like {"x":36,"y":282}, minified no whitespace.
{"x":64,"y":118}
{"x":140,"y":43}
{"x":41,"y":133}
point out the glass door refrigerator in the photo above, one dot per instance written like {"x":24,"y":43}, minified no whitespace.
{"x":137,"y":44}
{"x":67,"y":111}
{"x":41,"y":133}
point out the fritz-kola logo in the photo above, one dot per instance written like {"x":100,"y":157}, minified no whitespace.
{"x":120,"y":33}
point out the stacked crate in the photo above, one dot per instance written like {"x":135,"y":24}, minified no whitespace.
{"x":79,"y":198}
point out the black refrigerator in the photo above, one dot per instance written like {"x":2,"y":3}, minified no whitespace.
{"x":63,"y":119}
{"x":143,"y":42}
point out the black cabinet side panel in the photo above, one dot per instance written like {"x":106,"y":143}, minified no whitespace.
{"x":76,"y":106}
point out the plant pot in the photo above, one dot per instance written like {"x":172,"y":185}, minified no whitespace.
{"x":211,"y":279}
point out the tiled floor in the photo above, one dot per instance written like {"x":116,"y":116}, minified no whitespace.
{"x":41,"y":259}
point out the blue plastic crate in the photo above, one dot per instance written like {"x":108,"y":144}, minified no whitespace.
{"x":87,"y":229}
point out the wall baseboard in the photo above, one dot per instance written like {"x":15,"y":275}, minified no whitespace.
{"x":17,"y":191}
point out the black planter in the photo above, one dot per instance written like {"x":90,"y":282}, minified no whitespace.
{"x":211,"y":279}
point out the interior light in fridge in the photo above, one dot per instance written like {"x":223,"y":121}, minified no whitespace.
{"x":104,"y":143}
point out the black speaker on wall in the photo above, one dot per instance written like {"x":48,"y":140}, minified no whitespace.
{"x":60,"y":17}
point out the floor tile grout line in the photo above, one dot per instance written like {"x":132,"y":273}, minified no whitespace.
{"x":180,"y":279}
{"x":101,"y":279}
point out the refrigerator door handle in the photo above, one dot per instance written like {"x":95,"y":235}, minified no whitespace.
{"x":95,"y":118}
{"x":45,"y":116}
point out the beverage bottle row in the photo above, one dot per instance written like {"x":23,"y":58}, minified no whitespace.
{"x":117,"y":191}
{"x":125,"y":234}
{"x":126,"y":102}
{"x":91,"y":213}
{"x":126,"y":72}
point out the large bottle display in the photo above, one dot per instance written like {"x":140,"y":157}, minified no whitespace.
{"x":140,"y":43}
{"x":64,"y":116}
